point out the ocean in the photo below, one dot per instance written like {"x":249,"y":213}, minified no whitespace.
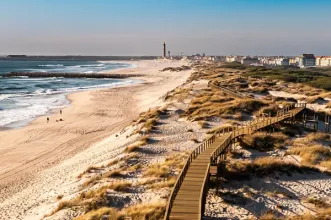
{"x":23,"y":99}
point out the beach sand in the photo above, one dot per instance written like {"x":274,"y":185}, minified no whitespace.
{"x":32,"y":158}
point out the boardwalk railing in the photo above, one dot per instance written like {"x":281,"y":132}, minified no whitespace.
{"x":288,"y":112}
{"x":233,"y":132}
{"x":182,"y":174}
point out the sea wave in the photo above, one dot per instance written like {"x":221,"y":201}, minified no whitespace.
{"x":51,"y":65}
{"x":92,"y":65}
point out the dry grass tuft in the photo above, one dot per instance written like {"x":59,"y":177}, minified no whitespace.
{"x":121,"y":186}
{"x":265,"y":166}
{"x":311,"y":154}
{"x":169,"y":182}
{"x":153,"y":211}
{"x":208,"y":105}
{"x":265,"y":142}
{"x":97,"y":214}
{"x":314,"y":137}
{"x":269,"y":216}
{"x":164,"y":169}
{"x":136,"y":146}
{"x":203,"y":124}
{"x":88,"y":170}
{"x":326,"y":164}
{"x":157,"y":170}
{"x":318,"y":202}
{"x":114,"y":173}
{"x":179,"y":94}
{"x":113,"y":162}
{"x":92,"y":181}
{"x":150,"y":119}
{"x":323,"y":214}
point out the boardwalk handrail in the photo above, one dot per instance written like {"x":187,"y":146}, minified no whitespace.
{"x":203,"y":193}
{"x":182,"y":174}
{"x":254,"y":125}
{"x":257,"y":124}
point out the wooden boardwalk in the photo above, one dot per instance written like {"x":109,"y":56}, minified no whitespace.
{"x":187,"y":199}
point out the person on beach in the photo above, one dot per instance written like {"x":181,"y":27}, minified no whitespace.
{"x":47,"y":119}
{"x":60,"y":111}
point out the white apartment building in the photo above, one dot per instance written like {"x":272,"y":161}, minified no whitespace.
{"x":323,"y":61}
{"x":230,"y":59}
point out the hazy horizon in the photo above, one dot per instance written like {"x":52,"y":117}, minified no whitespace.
{"x":132,"y":28}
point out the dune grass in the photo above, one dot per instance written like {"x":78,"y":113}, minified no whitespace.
{"x":97,"y":214}
{"x":116,"y":173}
{"x":318,"y":202}
{"x":151,"y":211}
{"x":265,"y":166}
{"x":121,"y":186}
{"x":92,"y":181}
{"x":149,"y":119}
{"x":265,"y":142}
{"x":88,"y":170}
{"x":315,"y":137}
{"x":205,"y":107}
{"x":311,"y":154}
{"x":178,"y":94}
{"x":136,"y":146}
{"x":164,"y":169}
{"x":203,"y":124}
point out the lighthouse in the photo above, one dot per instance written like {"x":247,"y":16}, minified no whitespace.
{"x":164,"y":50}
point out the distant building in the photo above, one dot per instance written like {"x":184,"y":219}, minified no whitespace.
{"x":307,"y":60}
{"x":249,"y":60}
{"x":294,"y":61}
{"x":231,"y":59}
{"x":282,"y":61}
{"x":323,"y":61}
{"x":17,"y":56}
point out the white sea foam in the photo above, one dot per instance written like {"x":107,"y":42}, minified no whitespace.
{"x":4,"y":96}
{"x":50,"y":65}
{"x":92,"y":65}
{"x":41,"y":101}
{"x":32,"y":107}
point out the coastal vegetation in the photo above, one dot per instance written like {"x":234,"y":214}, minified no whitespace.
{"x":157,"y":151}
{"x":316,"y":77}
{"x":265,"y":142}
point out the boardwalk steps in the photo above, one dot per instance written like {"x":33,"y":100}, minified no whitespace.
{"x":187,"y":198}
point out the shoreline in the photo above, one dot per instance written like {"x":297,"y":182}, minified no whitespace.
{"x":93,"y":116}
{"x":52,"y":111}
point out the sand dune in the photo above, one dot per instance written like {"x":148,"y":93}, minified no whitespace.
{"x":37,"y":160}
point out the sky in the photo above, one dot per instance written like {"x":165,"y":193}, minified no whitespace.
{"x":139,"y":27}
